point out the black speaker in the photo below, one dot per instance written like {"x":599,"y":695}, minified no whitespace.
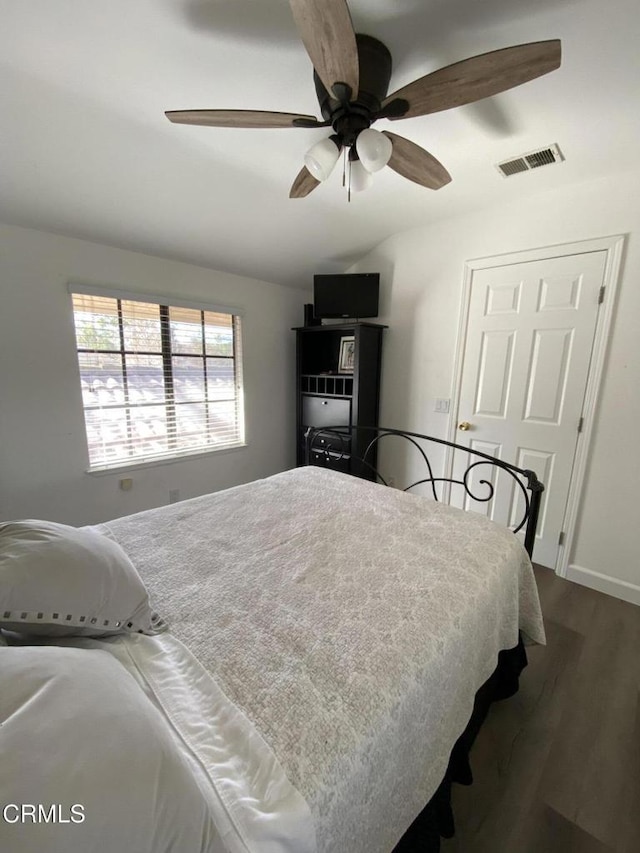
{"x":309,"y":318}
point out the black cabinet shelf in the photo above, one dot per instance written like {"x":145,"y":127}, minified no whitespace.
{"x":325,"y":396}
{"x":326,"y":385}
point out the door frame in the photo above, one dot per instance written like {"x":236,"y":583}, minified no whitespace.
{"x":614,"y":247}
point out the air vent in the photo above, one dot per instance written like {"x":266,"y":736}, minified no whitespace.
{"x":532,"y":160}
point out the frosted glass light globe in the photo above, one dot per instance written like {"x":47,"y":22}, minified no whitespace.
{"x":374,"y":149}
{"x":321,"y":158}
{"x":360,"y":179}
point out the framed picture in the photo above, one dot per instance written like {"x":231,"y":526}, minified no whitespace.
{"x":347,"y":353}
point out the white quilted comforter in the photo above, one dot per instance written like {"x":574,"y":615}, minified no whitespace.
{"x":351,"y":623}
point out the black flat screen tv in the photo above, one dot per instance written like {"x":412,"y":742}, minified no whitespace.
{"x":346,"y":295}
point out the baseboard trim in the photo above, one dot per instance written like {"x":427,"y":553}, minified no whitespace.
{"x":603,"y":583}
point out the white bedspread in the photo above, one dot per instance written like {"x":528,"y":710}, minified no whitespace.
{"x":252,"y":804}
{"x":352,"y":624}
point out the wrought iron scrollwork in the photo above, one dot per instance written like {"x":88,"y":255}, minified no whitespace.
{"x":330,"y":444}
{"x":487,"y":483}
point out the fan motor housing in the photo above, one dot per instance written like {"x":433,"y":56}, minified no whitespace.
{"x":375,"y":66}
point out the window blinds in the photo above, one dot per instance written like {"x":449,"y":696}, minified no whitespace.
{"x":158,"y":381}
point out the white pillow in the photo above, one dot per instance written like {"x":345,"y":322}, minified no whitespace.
{"x":57,"y":580}
{"x":84,"y":748}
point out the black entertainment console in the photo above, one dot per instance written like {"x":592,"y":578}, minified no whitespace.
{"x":338,"y":384}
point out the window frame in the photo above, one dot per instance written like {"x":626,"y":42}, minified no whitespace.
{"x":166,"y":353}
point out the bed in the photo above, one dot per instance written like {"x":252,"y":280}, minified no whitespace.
{"x":299,"y":666}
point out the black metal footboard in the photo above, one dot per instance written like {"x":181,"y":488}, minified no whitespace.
{"x":331,"y":446}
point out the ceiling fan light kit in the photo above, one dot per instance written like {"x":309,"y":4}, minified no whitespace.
{"x":374,"y":149}
{"x":352,"y":74}
{"x":321,"y":158}
{"x":359,"y":178}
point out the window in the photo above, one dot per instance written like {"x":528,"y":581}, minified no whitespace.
{"x":158,"y":381}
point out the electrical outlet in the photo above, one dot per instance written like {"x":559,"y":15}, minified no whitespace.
{"x":126,"y":484}
{"x":174,"y":496}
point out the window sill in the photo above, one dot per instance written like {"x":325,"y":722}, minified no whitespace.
{"x":142,"y":464}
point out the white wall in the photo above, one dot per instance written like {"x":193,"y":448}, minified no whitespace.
{"x":43,"y":453}
{"x":422,"y":277}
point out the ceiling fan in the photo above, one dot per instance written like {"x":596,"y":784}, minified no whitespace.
{"x":352,"y":73}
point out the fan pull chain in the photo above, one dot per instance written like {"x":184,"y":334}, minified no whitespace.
{"x":344,"y":166}
{"x":349,"y":186}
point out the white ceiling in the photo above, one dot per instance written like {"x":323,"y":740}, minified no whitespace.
{"x":87,"y":151}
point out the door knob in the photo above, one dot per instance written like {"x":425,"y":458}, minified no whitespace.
{"x":464,"y":426}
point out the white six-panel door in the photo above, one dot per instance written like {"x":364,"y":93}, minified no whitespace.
{"x":529,"y":340}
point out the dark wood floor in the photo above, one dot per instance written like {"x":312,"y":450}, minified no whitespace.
{"x":557,"y":767}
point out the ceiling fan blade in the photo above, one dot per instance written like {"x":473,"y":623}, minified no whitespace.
{"x":241,"y":118}
{"x":303,"y":184}
{"x":327,"y":33}
{"x":413,"y":162}
{"x":478,"y":77}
